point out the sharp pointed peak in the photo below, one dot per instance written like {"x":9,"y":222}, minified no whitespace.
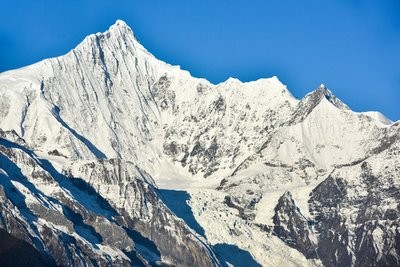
{"x":322,"y":92}
{"x":118,"y":30}
{"x":233,"y":80}
{"x":121,"y":26}
{"x":322,"y":89}
{"x":120,"y":23}
{"x":313,"y":99}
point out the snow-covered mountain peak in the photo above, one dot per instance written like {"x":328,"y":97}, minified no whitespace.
{"x":121,"y":28}
{"x":235,"y":81}
{"x":323,"y":92}
{"x":118,"y":40}
{"x":230,"y":82}
{"x":321,"y":96}
{"x":121,"y":24}
{"x":144,"y":135}
{"x":379,"y":117}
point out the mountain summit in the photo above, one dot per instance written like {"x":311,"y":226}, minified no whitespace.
{"x":322,"y":91}
{"x":111,"y":157}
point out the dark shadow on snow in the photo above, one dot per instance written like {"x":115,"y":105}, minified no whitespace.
{"x":234,"y":255}
{"x":18,"y":200}
{"x":81,"y":191}
{"x":99,"y":154}
{"x":145,"y":247}
{"x":176,"y":201}
{"x":16,"y":197}
{"x":77,"y":187}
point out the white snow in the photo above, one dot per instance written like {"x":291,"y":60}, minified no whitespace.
{"x":104,"y":89}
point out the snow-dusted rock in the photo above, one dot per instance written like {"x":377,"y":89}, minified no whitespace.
{"x":105,"y":147}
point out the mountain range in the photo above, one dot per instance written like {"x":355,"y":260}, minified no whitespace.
{"x":111,"y":157}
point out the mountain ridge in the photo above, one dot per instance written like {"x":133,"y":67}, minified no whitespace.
{"x":120,"y":28}
{"x":110,"y":129}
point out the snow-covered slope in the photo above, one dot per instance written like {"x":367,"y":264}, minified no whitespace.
{"x":185,"y":172}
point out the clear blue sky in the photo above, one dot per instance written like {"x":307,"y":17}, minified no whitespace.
{"x":352,"y":46}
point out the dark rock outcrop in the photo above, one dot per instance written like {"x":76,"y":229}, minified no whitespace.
{"x":292,"y":227}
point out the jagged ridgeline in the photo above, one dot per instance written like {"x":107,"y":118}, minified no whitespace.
{"x":111,"y":157}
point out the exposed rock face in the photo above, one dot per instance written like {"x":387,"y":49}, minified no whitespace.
{"x":126,"y":188}
{"x":249,"y":175}
{"x":292,"y":227}
{"x":15,"y":252}
{"x":333,"y":241}
{"x":369,"y":234}
{"x":69,"y":221}
{"x":312,"y":100}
